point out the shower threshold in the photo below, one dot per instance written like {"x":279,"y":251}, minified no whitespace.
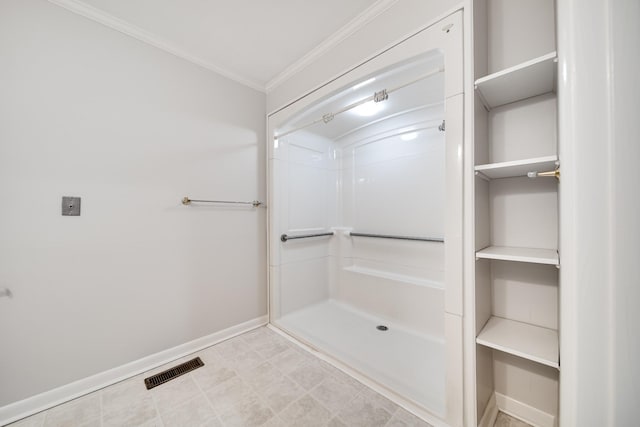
{"x":410,"y":364}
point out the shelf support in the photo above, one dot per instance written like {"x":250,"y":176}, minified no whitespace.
{"x":482,"y":176}
{"x":553,"y":173}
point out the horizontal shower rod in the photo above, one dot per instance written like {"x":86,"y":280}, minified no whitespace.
{"x":328,"y":117}
{"x":254,"y":203}
{"x":390,"y":236}
{"x":284,"y":237}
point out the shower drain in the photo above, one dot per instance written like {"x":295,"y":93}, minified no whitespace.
{"x":382,"y":328}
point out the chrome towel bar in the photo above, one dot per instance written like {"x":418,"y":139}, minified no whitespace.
{"x":284,"y":237}
{"x":390,"y":236}
{"x":187,"y":201}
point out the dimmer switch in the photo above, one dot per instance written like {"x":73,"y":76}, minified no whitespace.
{"x":70,"y":206}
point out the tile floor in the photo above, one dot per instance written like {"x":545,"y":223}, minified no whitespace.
{"x":256,"y":379}
{"x":505,"y":420}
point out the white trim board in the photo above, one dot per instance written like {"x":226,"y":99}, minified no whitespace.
{"x":43,"y":401}
{"x":97,"y":15}
{"x":349,"y":68}
{"x":524,"y":412}
{"x":369,"y":14}
{"x":490,"y":413}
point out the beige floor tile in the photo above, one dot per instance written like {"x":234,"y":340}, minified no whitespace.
{"x":248,"y":411}
{"x":290,"y":360}
{"x":123,"y":394}
{"x":231,"y":348}
{"x":336,"y":422}
{"x":306,"y":412}
{"x":272,"y":349}
{"x":256,"y":379}
{"x":227,"y":394}
{"x":78,"y":412}
{"x":214,"y":422}
{"x":309,"y":374}
{"x":138,"y":412}
{"x":405,"y":418}
{"x":361,"y":412}
{"x":259,"y":336}
{"x":209,"y":355}
{"x":175,"y":392}
{"x":195,"y":412}
{"x":334,"y":394}
{"x":347,"y":379}
{"x":156,"y":422}
{"x":504,"y":420}
{"x":379,"y":400}
{"x":262,"y":375}
{"x":275,"y":422}
{"x":212,"y":374}
{"x":280,"y":393}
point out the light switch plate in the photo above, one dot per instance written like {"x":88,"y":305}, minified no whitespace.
{"x":70,"y":206}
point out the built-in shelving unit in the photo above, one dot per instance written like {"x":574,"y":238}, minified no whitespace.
{"x":508,"y":253}
{"x":525,"y":80}
{"x":517,"y":168}
{"x":521,"y":339}
{"x":516,"y":218}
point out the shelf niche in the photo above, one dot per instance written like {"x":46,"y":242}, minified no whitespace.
{"x":521,"y":339}
{"x":517,"y":168}
{"x":522,"y":81}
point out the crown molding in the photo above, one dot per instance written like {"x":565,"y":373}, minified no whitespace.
{"x":131,"y":30}
{"x":332,"y":41}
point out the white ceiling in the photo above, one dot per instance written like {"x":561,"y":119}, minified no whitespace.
{"x":252,"y":41}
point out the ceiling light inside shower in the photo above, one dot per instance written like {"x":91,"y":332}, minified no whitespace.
{"x":368,"y":108}
{"x":410,"y":136}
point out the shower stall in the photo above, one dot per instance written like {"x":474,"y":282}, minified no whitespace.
{"x":364,"y":187}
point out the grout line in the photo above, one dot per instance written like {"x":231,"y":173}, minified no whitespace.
{"x":206,"y":398}
{"x":100,"y":393}
{"x":155,"y":405}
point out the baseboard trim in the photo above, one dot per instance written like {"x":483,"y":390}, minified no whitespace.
{"x":490,"y":413}
{"x":43,"y":401}
{"x":526,"y":413}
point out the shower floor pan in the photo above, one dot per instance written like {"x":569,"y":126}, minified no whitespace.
{"x":410,"y":364}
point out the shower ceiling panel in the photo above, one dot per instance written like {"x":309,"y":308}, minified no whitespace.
{"x":422,"y":94}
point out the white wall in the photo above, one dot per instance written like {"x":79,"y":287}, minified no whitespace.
{"x":600,"y":237}
{"x":86,"y":111}
{"x":402,"y":19}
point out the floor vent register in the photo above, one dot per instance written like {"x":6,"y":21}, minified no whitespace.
{"x":175,"y":372}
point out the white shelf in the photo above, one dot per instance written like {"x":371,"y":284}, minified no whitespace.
{"x":531,"y":78}
{"x":413,"y":280}
{"x":517,"y":167}
{"x":532,"y":255}
{"x":521,"y":339}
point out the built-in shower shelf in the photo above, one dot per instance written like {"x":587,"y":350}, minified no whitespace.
{"x":509,"y":253}
{"x":531,"y":78}
{"x":413,"y":280}
{"x":521,"y":339}
{"x":517,"y":167}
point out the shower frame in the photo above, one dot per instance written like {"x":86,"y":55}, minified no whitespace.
{"x":445,"y":36}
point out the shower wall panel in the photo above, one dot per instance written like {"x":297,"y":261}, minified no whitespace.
{"x":307,"y":181}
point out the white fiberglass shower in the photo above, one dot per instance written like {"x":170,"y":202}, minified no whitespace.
{"x":364,"y":181}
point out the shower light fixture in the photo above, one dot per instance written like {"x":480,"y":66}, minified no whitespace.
{"x":410,"y":136}
{"x":368,"y":109}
